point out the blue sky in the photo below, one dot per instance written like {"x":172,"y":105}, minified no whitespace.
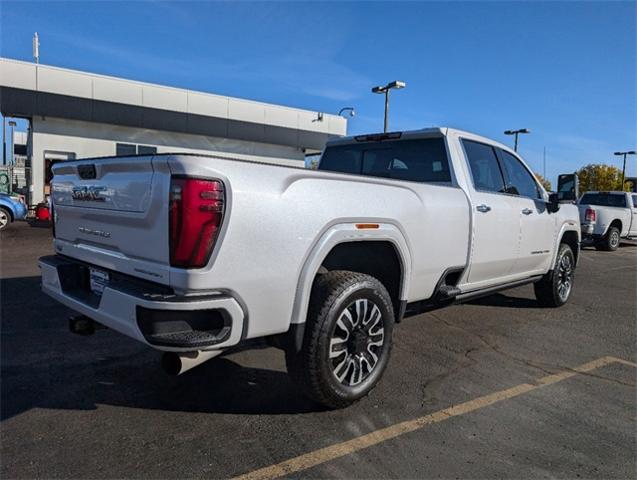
{"x":565,"y":70}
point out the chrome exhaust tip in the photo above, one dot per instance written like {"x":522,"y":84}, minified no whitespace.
{"x":175,"y":363}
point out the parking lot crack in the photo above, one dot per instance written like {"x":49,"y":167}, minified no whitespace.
{"x":483,"y":339}
{"x":517,"y":359}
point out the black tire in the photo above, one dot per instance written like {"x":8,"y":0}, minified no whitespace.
{"x":5,"y":218}
{"x":343,"y":299}
{"x":610,"y":242}
{"x":554,"y":289}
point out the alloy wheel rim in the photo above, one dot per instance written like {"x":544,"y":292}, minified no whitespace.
{"x":565,"y":277}
{"x":4,"y":219}
{"x":614,"y":239}
{"x":356,"y":342}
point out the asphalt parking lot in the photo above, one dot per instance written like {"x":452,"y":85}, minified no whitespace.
{"x":495,"y":388}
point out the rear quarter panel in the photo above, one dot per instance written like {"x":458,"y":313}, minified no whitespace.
{"x":607,"y":215}
{"x":276,"y":217}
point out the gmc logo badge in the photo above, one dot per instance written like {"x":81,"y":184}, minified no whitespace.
{"x":89,"y":193}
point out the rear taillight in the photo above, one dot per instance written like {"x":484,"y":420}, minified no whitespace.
{"x":196,"y":212}
{"x":590,"y":215}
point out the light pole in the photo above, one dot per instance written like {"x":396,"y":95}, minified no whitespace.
{"x":516,"y":133}
{"x":12,"y":124}
{"x":397,"y":84}
{"x":631,"y":152}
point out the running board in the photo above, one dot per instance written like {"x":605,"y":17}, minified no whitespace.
{"x":463,"y":297}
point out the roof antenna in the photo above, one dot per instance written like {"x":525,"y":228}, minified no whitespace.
{"x":36,"y":48}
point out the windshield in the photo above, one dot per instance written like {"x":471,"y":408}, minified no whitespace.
{"x":422,"y":160}
{"x":604,"y":199}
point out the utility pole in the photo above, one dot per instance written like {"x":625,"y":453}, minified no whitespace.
{"x":36,"y":48}
{"x":544,"y":164}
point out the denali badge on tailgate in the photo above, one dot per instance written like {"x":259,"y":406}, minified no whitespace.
{"x":90,"y":231}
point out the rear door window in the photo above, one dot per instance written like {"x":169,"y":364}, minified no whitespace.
{"x":485,"y":168}
{"x":420,"y":160}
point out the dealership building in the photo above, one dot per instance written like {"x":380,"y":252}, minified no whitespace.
{"x":73,"y":115}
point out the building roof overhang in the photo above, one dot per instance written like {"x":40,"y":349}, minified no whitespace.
{"x":28,"y":90}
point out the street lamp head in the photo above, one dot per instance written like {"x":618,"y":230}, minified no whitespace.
{"x":396,"y":84}
{"x":513,"y":132}
{"x":632,"y":152}
{"x":352,"y":112}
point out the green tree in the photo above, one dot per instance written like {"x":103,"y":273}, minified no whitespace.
{"x":599,"y":177}
{"x":545,"y":183}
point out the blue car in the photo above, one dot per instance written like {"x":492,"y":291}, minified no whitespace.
{"x":11,"y":209}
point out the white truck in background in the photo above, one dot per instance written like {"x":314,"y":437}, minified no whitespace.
{"x":193,"y":254}
{"x":607,"y":217}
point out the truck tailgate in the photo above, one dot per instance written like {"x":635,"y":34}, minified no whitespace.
{"x":113,"y":213}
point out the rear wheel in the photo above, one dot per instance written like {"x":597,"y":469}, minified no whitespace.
{"x":610,"y":242}
{"x":347,"y":339}
{"x":554,"y":289}
{"x":5,"y":218}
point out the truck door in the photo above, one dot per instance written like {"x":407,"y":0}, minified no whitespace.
{"x":537,"y":225}
{"x":495,"y":217}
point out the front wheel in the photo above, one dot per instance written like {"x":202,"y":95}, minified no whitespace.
{"x":5,"y":218}
{"x":554,"y":289}
{"x":347,"y":339}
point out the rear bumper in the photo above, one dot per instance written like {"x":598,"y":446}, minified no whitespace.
{"x":587,"y":229}
{"x":158,"y":319}
{"x":20,"y":212}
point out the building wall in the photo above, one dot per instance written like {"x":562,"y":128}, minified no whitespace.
{"x":87,"y":139}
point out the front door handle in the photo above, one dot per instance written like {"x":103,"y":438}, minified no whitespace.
{"x":527,"y":211}
{"x":483,"y":208}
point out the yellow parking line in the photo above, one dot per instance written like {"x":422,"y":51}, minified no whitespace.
{"x":625,"y":362}
{"x":317,"y":457}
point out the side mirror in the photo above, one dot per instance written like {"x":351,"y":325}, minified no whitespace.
{"x":568,"y":187}
{"x":553,"y":205}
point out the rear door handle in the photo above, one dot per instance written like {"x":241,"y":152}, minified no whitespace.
{"x":527,"y":211}
{"x":483,"y":208}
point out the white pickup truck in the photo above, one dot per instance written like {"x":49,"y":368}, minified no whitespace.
{"x":195,"y":254}
{"x":606,"y":217}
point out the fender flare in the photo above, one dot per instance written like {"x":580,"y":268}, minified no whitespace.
{"x":622,"y":223}
{"x":344,"y":233}
{"x":567,"y":226}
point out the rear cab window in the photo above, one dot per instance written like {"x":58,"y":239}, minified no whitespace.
{"x":604,"y":199}
{"x":415,"y":160}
